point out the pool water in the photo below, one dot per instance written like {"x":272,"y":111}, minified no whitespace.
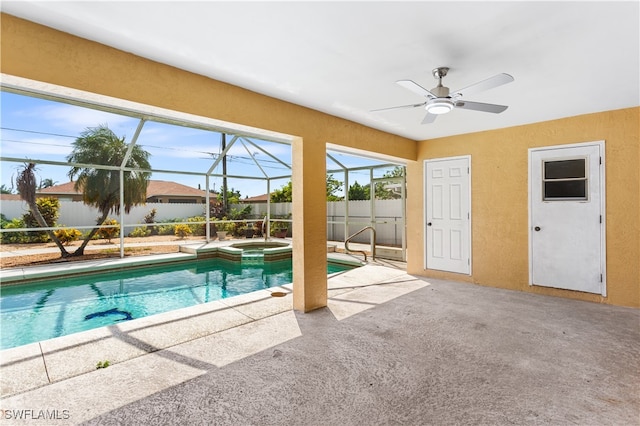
{"x":46,"y":309}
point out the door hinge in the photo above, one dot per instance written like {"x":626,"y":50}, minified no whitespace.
{"x":600,"y":161}
{"x":600,"y":277}
{"x":600,"y":218}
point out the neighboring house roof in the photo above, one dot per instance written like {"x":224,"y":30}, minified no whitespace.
{"x":156,"y":188}
{"x":10,"y":197}
{"x":257,"y":199}
{"x":65,"y":188}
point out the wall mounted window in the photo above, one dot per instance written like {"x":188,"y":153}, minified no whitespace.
{"x":565,"y":180}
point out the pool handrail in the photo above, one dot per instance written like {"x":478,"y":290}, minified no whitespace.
{"x":373,"y":243}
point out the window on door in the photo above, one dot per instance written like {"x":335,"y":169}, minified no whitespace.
{"x":565,"y":180}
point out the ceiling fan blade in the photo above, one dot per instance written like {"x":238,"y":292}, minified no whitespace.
{"x":479,"y":106}
{"x":429,"y":118}
{"x":416,"y":88}
{"x":400,"y":107}
{"x":490,"y":83}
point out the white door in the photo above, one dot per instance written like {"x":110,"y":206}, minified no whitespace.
{"x":448,"y":215}
{"x":567,"y":217}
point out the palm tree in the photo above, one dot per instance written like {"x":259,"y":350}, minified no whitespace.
{"x":46,"y":183}
{"x":101,"y":188}
{"x":26,"y":185}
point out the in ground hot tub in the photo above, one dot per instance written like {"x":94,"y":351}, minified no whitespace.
{"x":265,"y":250}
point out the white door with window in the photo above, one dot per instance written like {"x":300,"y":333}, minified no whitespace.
{"x":566,"y":214}
{"x":448,"y":214}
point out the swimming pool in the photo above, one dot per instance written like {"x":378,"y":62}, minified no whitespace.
{"x":57,"y":307}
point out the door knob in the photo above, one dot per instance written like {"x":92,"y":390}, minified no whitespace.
{"x":537,"y":228}
{"x":428,"y":223}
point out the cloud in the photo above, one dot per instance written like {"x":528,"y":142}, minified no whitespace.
{"x":179,"y":151}
{"x":74,"y":120}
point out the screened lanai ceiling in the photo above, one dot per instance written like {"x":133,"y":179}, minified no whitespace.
{"x":343,"y":58}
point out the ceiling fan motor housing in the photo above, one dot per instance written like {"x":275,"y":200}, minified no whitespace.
{"x":442,"y":104}
{"x":440,"y":91}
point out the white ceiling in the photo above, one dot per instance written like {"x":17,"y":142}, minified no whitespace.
{"x":343,"y":58}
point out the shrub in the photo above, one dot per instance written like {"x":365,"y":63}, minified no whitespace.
{"x":226,"y":226}
{"x":257,"y":227}
{"x":151,"y":218}
{"x":166,"y":230}
{"x":49,"y":209}
{"x":238,"y":228}
{"x":14,"y":237}
{"x":141,"y":231}
{"x":277,"y":227}
{"x":241,"y":214}
{"x":3,"y":221}
{"x":197,"y":228}
{"x":67,"y":235}
{"x":85,"y":235}
{"x":109,"y":233}
{"x":182,"y":231}
{"x":36,"y":237}
{"x":216,"y":209}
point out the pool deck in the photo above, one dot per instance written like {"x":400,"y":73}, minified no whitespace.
{"x":390,"y":348}
{"x":40,"y":363}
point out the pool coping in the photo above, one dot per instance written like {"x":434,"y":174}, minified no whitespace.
{"x":16,"y":276}
{"x":202,"y":250}
{"x":38,"y":364}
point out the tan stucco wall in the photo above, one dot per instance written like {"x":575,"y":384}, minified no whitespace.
{"x":499,"y":159}
{"x":40,"y":53}
{"x":35,"y":52}
{"x":499,"y":185}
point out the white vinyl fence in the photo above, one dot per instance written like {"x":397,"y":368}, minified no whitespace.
{"x":259,"y":210}
{"x":387,"y":222}
{"x":76,"y":214}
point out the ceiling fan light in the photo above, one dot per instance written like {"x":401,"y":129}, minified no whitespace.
{"x":439,"y":106}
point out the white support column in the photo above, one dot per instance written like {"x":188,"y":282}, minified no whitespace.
{"x":207,"y":209}
{"x":372,"y":197}
{"x":346,"y":204}
{"x":121,"y":213}
{"x":267,"y":225}
{"x":403,"y":191}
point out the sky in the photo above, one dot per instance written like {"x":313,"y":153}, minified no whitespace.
{"x":37,"y":129}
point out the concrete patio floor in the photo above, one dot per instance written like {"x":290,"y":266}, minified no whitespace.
{"x":389,"y":349}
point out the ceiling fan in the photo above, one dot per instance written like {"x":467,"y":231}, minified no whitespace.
{"x":441,"y":101}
